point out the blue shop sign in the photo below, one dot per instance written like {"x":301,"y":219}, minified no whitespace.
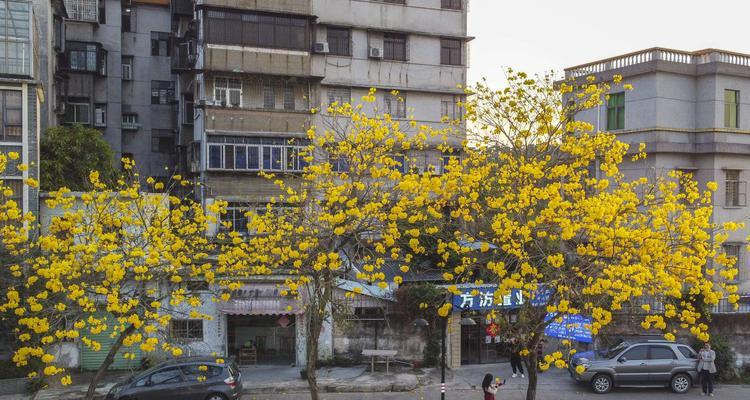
{"x":485,"y":299}
{"x":573,"y":327}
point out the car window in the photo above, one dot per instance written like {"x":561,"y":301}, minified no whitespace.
{"x":636,"y":353}
{"x":662,"y":353}
{"x":142,"y":381}
{"x":687,"y":352}
{"x":169,"y":375}
{"x":611,"y":353}
{"x":193,"y":371}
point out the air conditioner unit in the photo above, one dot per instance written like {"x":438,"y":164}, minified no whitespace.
{"x":376,"y":52}
{"x":321,"y":48}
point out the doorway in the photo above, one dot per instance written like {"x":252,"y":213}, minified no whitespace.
{"x":270,"y":338}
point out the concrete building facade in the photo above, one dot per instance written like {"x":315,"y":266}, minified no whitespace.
{"x":248,"y":73}
{"x":691,"y":110}
{"x":119,"y":80}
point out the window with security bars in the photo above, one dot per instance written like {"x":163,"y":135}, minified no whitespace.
{"x":340,"y":95}
{"x":394,"y":46}
{"x":162,"y":141}
{"x":734,"y":252}
{"x":162,"y":92}
{"x":450,"y":51}
{"x":731,"y":108}
{"x":735,"y":189}
{"x":11,"y":120}
{"x":86,"y":57}
{"x":160,"y":43}
{"x":269,"y":96}
{"x":186,"y":329}
{"x":450,"y":109}
{"x":339,"y":41}
{"x":450,"y":4}
{"x":257,"y":30}
{"x":289,"y":97}
{"x":82,"y":10}
{"x":616,"y":111}
{"x":395,"y":104}
{"x":256,"y":154}
{"x":127,"y":68}
{"x":228,"y":91}
{"x":15,"y":37}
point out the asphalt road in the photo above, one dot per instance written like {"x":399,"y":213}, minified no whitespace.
{"x":563,"y":392}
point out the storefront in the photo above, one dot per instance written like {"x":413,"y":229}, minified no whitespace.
{"x":263,"y":327}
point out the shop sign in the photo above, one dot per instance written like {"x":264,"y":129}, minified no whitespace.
{"x":573,"y":327}
{"x":485,"y":299}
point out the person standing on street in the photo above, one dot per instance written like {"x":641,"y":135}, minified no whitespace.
{"x":515,"y":359}
{"x":707,"y":367}
{"x":490,"y":386}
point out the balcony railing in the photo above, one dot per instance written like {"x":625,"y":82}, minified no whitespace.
{"x":659,"y":54}
{"x":724,"y":307}
{"x":183,"y":55}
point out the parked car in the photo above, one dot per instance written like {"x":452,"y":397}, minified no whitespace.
{"x":197,"y":378}
{"x":642,"y":363}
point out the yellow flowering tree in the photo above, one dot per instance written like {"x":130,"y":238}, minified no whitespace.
{"x":342,"y":217}
{"x":558,"y":222}
{"x":112,"y":259}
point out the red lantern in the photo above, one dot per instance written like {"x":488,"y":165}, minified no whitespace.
{"x":493,"y":329}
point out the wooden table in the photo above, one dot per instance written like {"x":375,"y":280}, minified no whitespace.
{"x":388,"y":354}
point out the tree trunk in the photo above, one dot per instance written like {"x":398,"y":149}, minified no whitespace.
{"x":531,"y":368}
{"x":91,"y":392}
{"x":313,"y":335}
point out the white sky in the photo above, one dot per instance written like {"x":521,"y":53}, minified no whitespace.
{"x":541,"y":35}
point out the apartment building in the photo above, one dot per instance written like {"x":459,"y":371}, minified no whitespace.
{"x":248,"y":72}
{"x":118,"y":78}
{"x":691,"y":110}
{"x":29,"y":37}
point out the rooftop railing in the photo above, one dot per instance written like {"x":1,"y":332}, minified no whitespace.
{"x":658,"y":54}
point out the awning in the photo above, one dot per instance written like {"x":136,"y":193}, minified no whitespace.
{"x":278,"y":306}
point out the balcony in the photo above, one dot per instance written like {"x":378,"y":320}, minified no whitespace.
{"x":88,"y":57}
{"x":183,"y":54}
{"x":131,"y":126}
{"x":83,"y":10}
{"x":257,"y":60}
{"x":300,"y":7}
{"x":655,"y":54}
{"x":254,"y":120}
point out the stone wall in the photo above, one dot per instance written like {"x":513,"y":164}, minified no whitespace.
{"x":735,"y":328}
{"x":352,"y":336}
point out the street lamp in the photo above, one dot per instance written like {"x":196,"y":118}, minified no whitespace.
{"x":421,"y":323}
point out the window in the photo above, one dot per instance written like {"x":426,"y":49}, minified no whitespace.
{"x":187,"y":329}
{"x":236,"y":217}
{"x":662,"y":353}
{"x":731,"y":108}
{"x":734,"y":251}
{"x":130,"y":121}
{"x":58,"y":33}
{"x":450,"y":110}
{"x":447,"y":158}
{"x":166,"y":376}
{"x":127,"y":19}
{"x":188,"y":106}
{"x":450,"y":52}
{"x":339,"y":41}
{"x":82,"y":10}
{"x":127,"y":68}
{"x":102,"y":13}
{"x":394,"y":46}
{"x":16,"y":186}
{"x":160,"y":43}
{"x":616,"y":111}
{"x":100,"y":115}
{"x":11,"y":120}
{"x":637,"y":353}
{"x":78,"y":111}
{"x":257,"y":30}
{"x":269,"y":96}
{"x":15,"y":37}
{"x":735,"y":190}
{"x":162,"y":92}
{"x":196,"y":286}
{"x":450,"y":4}
{"x":687,"y":352}
{"x":254,"y":154}
{"x":228,"y":91}
{"x":338,"y":164}
{"x":339,"y":94}
{"x":395,"y":104}
{"x":401,"y":165}
{"x":194,"y":371}
{"x":289,"y":97}
{"x":162,"y":141}
{"x":86,"y":57}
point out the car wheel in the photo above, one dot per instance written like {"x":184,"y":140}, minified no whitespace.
{"x":680,"y":383}
{"x":216,"y":396}
{"x":601,"y":384}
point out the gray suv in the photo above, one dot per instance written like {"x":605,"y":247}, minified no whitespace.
{"x":198,"y":378}
{"x":644,"y":363}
